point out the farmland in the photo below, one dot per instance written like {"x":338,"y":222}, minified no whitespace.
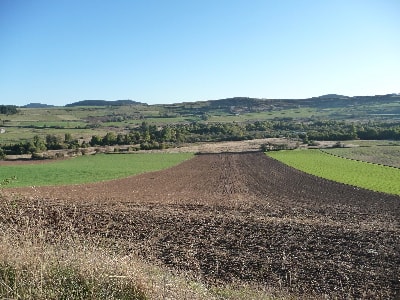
{"x":357,"y":173}
{"x":241,"y":220}
{"x":230,"y":223}
{"x":388,"y":155}
{"x":89,"y":168}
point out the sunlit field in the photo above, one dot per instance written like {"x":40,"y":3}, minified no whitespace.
{"x":89,"y":168}
{"x":362,"y":174}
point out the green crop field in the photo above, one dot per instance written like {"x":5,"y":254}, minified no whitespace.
{"x":361,"y":174}
{"x":385,"y":155}
{"x":89,"y":168}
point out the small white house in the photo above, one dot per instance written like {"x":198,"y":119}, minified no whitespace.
{"x":2,"y":130}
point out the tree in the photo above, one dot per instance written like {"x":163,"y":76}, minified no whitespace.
{"x":166,"y":134}
{"x":2,"y":154}
{"x":8,"y":109}
{"x":121,"y":139}
{"x":38,"y":144}
{"x":53,"y":142}
{"x":67,"y":138}
{"x":109,"y":139}
{"x":96,"y":140}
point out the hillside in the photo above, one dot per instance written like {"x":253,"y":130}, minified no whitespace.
{"x":380,"y":104}
{"x":37,"y":105}
{"x":248,"y":104}
{"x":329,"y":117}
{"x":331,"y":100}
{"x":104,"y":103}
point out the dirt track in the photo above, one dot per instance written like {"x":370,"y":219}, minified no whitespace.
{"x":242,"y":217}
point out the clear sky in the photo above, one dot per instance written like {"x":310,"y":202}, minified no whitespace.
{"x":168,"y":51}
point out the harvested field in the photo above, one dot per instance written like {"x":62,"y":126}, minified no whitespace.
{"x":237,"y":217}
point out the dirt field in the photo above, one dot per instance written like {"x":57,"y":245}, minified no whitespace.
{"x":240,"y":217}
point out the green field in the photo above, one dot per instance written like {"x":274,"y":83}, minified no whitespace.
{"x":385,"y":155}
{"x":361,"y":174}
{"x":89,"y":168}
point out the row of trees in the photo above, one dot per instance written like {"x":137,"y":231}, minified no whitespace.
{"x":147,"y":136}
{"x":151,"y":136}
{"x":38,"y":144}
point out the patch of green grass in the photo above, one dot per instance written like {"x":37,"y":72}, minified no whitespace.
{"x":357,"y":173}
{"x":90,"y":168}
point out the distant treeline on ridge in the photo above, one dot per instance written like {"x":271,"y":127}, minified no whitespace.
{"x":105,"y":103}
{"x":8,"y":109}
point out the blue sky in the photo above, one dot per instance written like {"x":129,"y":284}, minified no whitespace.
{"x":61,"y":51}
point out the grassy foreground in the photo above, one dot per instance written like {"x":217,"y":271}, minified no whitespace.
{"x":362,"y":174}
{"x":92,"y":168}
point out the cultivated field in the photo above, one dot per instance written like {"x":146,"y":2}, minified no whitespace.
{"x":385,"y":155}
{"x":358,"y":173}
{"x":86,"y":168}
{"x":230,"y":218}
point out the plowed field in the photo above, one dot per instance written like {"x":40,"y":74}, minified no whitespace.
{"x":240,"y":217}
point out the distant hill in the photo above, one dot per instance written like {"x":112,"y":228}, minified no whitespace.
{"x":237,"y":105}
{"x":105,"y":103}
{"x":247,"y":104}
{"x":333,"y":96}
{"x":330,"y":100}
{"x":37,"y":105}
{"x":237,"y":101}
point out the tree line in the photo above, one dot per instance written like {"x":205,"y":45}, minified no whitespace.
{"x":8,"y":109}
{"x":39,"y":144}
{"x":149,"y":136}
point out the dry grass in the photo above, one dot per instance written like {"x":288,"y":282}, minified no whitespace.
{"x":37,"y":263}
{"x":32,"y":270}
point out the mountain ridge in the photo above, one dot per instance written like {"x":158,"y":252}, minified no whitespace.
{"x":328,"y":99}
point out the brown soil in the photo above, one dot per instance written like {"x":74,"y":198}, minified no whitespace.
{"x":240,"y":217}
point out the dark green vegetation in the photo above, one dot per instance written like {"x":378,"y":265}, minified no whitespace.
{"x":91,"y":168}
{"x":361,"y":174}
{"x":8,"y":109}
{"x":145,"y":126}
